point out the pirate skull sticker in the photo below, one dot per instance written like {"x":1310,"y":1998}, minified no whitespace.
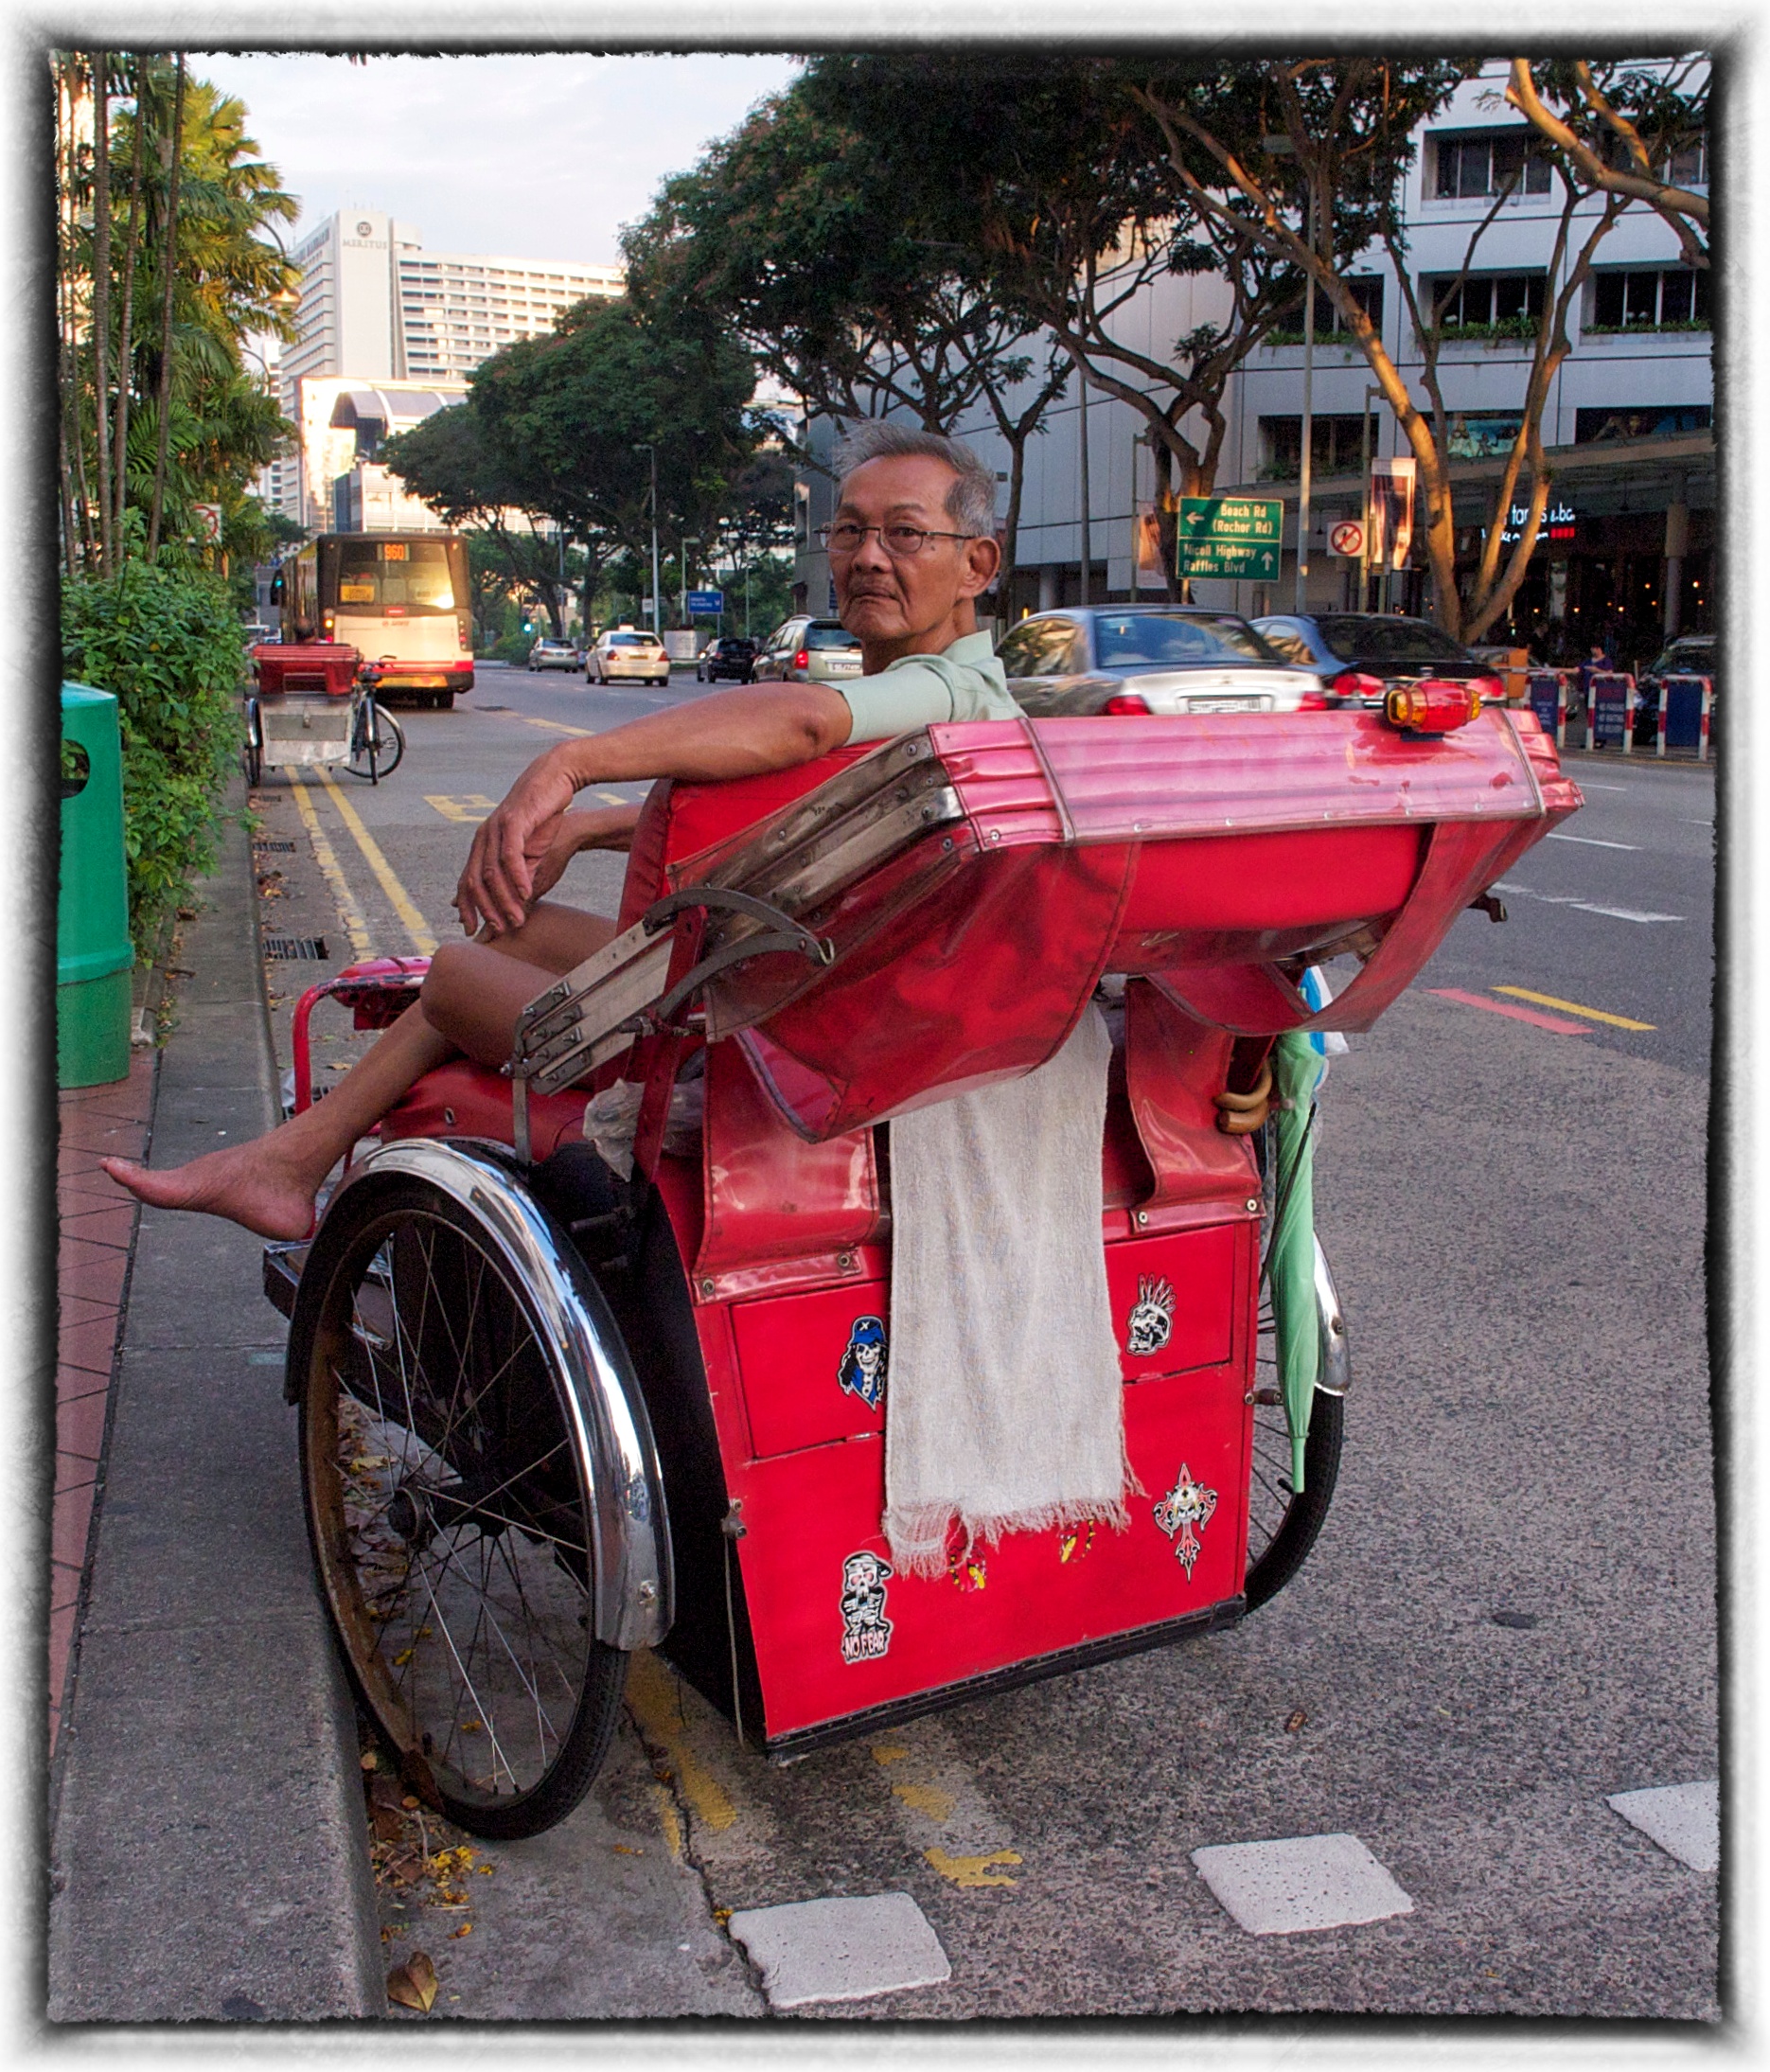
{"x":1186,"y":1505}
{"x":862,"y":1369}
{"x":1151,"y":1322}
{"x":866,"y":1631}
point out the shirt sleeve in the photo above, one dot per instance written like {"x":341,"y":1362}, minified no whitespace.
{"x":898,"y":701}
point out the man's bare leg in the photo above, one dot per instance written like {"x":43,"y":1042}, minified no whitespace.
{"x":469,"y":1002}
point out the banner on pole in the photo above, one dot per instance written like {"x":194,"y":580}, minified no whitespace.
{"x":1392,"y":510}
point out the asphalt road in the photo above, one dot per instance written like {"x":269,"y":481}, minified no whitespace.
{"x":1510,"y":1613}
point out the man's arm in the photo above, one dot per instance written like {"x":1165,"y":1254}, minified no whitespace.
{"x":730,"y":734}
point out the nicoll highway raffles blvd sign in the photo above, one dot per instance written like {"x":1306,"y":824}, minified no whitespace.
{"x":1234,"y":536}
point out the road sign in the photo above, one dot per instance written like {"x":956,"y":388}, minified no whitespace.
{"x":208,"y":520}
{"x":1234,"y":536}
{"x":705,"y":604}
{"x":1346,"y":538}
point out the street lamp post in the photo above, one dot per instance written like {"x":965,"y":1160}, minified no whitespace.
{"x":689,"y":540}
{"x":1308,"y":426}
{"x":644,"y":446}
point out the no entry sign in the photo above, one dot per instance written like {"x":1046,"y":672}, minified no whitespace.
{"x":1346,"y":538}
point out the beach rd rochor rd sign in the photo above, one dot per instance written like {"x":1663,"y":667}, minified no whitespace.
{"x":1233,"y":536}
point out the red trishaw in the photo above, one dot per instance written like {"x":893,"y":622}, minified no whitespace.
{"x":549,"y":1415}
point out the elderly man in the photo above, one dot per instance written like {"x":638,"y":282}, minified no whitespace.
{"x":912,"y":546}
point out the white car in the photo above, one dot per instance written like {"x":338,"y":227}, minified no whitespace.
{"x":625,"y":655}
{"x":553,"y":654}
{"x":1149,"y":658}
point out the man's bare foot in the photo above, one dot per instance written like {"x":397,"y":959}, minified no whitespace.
{"x":247,"y":1183}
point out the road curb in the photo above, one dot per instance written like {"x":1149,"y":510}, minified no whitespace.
{"x":208,"y":1856}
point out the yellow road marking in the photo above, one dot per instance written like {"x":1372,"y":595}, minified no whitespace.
{"x":1572,"y":1007}
{"x":470,"y":808}
{"x":928,"y":1799}
{"x":613,"y":798}
{"x":669,"y":1820}
{"x":556,"y":726}
{"x":883,"y":1752}
{"x":342,"y":898}
{"x":411,"y":919}
{"x":653,"y":1698}
{"x":971,"y":1871}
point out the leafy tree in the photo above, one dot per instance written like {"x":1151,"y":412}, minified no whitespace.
{"x":803,"y":230}
{"x":1624,"y":126}
{"x":1274,"y":151}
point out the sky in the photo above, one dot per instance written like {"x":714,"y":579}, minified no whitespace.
{"x":539,"y":156}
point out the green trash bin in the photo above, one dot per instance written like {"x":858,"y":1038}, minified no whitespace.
{"x":94,"y":956}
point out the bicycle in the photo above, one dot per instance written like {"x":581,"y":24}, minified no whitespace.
{"x":377,"y":739}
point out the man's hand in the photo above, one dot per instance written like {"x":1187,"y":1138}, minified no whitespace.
{"x":605,"y":827}
{"x":498,"y":884}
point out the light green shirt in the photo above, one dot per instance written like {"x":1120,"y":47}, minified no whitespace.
{"x":964,"y":681}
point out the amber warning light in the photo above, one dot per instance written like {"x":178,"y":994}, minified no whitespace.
{"x":1433,"y":707}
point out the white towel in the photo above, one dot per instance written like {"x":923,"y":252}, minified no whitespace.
{"x":1004,"y":1406}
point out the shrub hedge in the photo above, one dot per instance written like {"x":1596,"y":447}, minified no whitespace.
{"x":167,"y":642}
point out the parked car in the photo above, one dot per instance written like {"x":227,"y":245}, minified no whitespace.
{"x":731,"y":656}
{"x":1362,"y":656}
{"x":553,"y":654}
{"x":1149,"y":658}
{"x":625,"y":655}
{"x":807,"y":650}
{"x":1691,"y":654}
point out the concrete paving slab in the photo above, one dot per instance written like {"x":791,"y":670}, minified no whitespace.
{"x":1311,"y":1881}
{"x":1684,"y":1819}
{"x":840,"y":1949}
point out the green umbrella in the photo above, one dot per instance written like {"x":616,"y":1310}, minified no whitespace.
{"x":1297,"y":1067}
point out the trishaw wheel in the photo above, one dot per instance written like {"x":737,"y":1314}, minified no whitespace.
{"x":1282,"y":1525}
{"x":451,"y":1510}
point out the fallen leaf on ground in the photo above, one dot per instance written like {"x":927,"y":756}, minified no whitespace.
{"x":412,"y":1984}
{"x":1296,"y":1719}
{"x":369,"y":1760}
{"x":466,"y":1929}
{"x":621,"y":1850}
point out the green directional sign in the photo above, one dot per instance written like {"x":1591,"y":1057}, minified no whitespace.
{"x":1235,"y":535}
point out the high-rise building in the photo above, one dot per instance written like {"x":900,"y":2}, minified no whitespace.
{"x":377,"y":312}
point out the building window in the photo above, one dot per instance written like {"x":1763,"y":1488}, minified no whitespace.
{"x":1651,"y":421}
{"x":1485,"y":305}
{"x":1367,"y":289}
{"x":1335,"y":444}
{"x":1496,"y":162}
{"x":1672,"y":298}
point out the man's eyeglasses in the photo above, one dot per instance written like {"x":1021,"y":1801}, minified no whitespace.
{"x":902,"y":543}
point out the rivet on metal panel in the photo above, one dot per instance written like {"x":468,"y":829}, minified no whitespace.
{"x":947,"y":841}
{"x":1253,"y":1205}
{"x":1142,"y":1215}
{"x":845,"y":1260}
{"x":1249,"y":1398}
{"x":449,"y":1118}
{"x":706,"y":1291}
{"x":995,"y":834}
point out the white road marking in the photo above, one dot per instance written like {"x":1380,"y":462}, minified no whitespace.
{"x":1312,"y":1881}
{"x":1591,"y":841}
{"x":1578,"y":905}
{"x":1684,"y":1819}
{"x":840,"y":1949}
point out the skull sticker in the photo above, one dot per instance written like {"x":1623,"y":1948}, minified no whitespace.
{"x":866,"y":1631}
{"x":862,"y":1369}
{"x":1186,"y":1505}
{"x":1151,"y":1322}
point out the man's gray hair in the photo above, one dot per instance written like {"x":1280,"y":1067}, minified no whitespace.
{"x":970,"y":501}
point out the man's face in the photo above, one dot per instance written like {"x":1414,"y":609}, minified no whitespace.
{"x":881,"y":599}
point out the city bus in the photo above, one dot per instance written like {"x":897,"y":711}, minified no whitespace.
{"x":400,"y":599}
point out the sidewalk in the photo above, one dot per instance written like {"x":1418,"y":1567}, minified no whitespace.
{"x":208,"y":1855}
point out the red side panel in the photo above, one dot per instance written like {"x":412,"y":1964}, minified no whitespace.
{"x":808,"y":1506}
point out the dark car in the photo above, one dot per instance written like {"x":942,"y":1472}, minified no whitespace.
{"x":1362,"y":656}
{"x":1691,"y":654}
{"x":731,"y":656}
{"x":1149,"y":658}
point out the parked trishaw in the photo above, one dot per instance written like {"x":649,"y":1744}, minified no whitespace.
{"x":549,"y":1414}
{"x":314,"y":706}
